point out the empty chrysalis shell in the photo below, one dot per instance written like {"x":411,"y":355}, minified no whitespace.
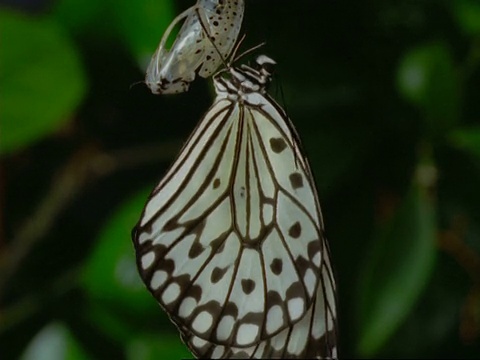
{"x":172,"y":70}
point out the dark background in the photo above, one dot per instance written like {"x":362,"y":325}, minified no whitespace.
{"x":385,"y":96}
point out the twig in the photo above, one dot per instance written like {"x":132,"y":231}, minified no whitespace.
{"x":86,"y":165}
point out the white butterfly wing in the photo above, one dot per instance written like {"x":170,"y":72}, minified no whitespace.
{"x":230,"y":241}
{"x":314,"y":337}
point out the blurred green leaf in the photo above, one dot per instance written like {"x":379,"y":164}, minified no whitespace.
{"x":138,"y":24}
{"x":399,"y":267}
{"x":110,"y":273}
{"x":37,"y":96}
{"x":434,"y":316}
{"x":54,"y":342}
{"x":427,"y":78}
{"x":110,"y":320}
{"x":163,"y":346}
{"x":467,"y":13}
{"x":112,"y":281}
{"x":141,"y":25}
{"x":467,"y":139}
{"x":83,"y":16}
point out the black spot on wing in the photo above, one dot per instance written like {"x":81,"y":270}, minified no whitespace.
{"x":296,"y":180}
{"x":277,"y":145}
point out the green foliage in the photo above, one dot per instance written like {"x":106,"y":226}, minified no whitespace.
{"x":54,"y":342}
{"x":142,"y":25}
{"x":467,"y":139}
{"x":385,"y":97}
{"x":148,"y":347}
{"x":468,"y":15}
{"x":110,"y":273}
{"x":114,"y":288}
{"x":427,"y":78}
{"x":42,"y":79}
{"x":397,"y":268}
{"x":138,"y":27}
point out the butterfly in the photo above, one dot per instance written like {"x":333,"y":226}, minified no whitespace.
{"x":231,"y":242}
{"x":207,"y":36}
{"x":313,"y":337}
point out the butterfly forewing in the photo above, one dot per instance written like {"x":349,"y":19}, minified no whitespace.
{"x":231,"y":241}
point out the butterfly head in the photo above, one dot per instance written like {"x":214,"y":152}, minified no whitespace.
{"x":259,"y":73}
{"x":265,"y":66}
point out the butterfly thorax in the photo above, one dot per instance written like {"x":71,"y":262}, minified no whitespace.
{"x":242,"y":84}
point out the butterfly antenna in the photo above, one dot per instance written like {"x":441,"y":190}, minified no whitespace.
{"x":235,"y":49}
{"x":248,"y":51}
{"x":136,"y":83}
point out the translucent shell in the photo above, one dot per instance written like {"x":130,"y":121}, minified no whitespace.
{"x":172,"y":70}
